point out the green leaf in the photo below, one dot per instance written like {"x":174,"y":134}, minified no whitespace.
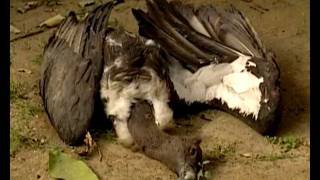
{"x":62,"y":166}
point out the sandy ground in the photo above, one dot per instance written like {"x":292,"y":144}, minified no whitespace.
{"x":235,"y":150}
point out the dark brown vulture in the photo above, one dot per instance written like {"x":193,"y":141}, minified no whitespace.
{"x":215,"y":57}
{"x":198,"y":55}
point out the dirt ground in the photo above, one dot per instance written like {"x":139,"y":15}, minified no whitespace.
{"x":235,"y":150}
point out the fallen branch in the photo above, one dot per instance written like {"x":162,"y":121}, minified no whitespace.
{"x":32,"y":33}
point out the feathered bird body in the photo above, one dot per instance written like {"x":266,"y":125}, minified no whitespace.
{"x":198,"y":55}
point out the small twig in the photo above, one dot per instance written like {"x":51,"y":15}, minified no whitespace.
{"x":255,"y":8}
{"x":265,"y":9}
{"x":32,"y":33}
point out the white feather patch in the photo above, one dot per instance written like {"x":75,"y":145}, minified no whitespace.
{"x":230,"y":83}
{"x":112,"y":42}
{"x":150,"y":42}
{"x":162,"y":112}
{"x":120,"y":96}
{"x":251,"y":64}
{"x":124,"y":136}
{"x":241,"y":82}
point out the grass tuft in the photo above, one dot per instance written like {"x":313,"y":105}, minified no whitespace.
{"x":220,"y":151}
{"x":286,"y":143}
{"x":38,"y":59}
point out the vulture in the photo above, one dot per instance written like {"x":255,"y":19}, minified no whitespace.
{"x":203,"y":55}
{"x":215,"y":57}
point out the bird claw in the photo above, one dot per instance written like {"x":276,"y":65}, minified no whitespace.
{"x":90,"y":146}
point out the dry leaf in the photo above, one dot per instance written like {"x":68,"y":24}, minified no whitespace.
{"x":84,"y":3}
{"x":14,"y":29}
{"x":53,"y":21}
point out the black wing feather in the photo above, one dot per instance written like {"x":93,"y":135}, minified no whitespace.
{"x":207,"y":32}
{"x":71,"y":72}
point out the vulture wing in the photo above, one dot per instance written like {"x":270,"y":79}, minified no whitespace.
{"x":71,"y":72}
{"x":216,"y":58}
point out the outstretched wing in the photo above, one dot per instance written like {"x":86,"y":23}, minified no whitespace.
{"x":197,"y":36}
{"x":228,"y":26}
{"x":216,"y":58}
{"x":71,"y":71}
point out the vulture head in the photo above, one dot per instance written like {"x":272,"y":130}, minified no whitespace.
{"x":182,"y":155}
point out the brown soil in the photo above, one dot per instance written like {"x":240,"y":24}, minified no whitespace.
{"x":236,"y":151}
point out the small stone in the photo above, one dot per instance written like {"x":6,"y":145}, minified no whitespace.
{"x":21,"y":10}
{"x":28,"y":6}
{"x":42,"y":141}
{"x":31,"y":5}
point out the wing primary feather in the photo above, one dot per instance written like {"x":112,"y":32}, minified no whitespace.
{"x":150,"y":30}
{"x":73,"y":59}
{"x":175,"y":25}
{"x":158,"y":16}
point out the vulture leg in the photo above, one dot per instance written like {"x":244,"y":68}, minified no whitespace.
{"x":89,"y":146}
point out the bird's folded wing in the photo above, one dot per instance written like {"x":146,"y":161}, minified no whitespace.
{"x":71,"y":71}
